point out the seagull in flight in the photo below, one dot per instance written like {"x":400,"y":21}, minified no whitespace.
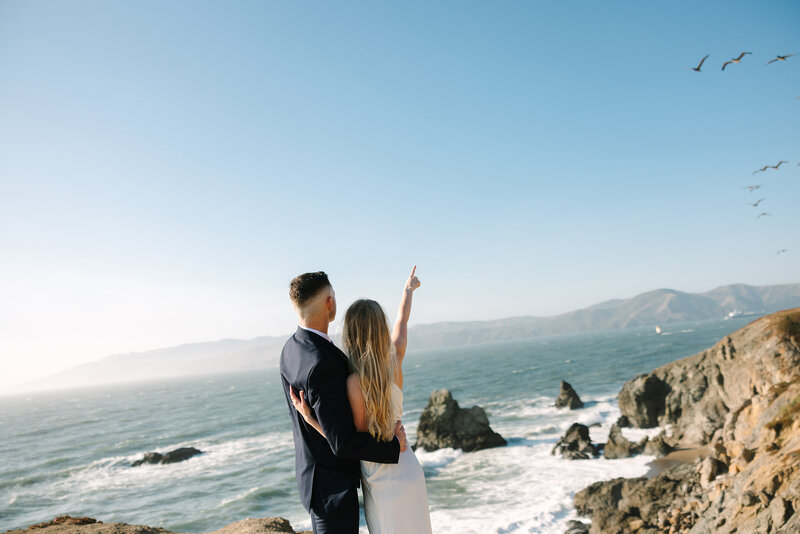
{"x":781,"y":251}
{"x":764,"y":214}
{"x":778,"y":165}
{"x":779,"y":58}
{"x":755,"y":205}
{"x":697,"y":68}
{"x":762,"y":169}
{"x":735,"y":60}
{"x":752,"y":188}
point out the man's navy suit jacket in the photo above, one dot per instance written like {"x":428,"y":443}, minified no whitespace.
{"x":326,"y":468}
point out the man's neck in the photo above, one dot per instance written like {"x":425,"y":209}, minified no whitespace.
{"x":320,"y":325}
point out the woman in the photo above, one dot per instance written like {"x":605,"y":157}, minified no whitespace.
{"x":395,"y":500}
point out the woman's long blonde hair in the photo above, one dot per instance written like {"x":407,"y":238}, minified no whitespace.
{"x":366,"y":340}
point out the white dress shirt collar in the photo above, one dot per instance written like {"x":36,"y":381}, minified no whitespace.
{"x":323,"y":334}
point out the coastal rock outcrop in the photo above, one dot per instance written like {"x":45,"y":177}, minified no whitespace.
{"x":658,"y":446}
{"x":443,"y":423}
{"x":576,"y":444}
{"x":87,"y":525}
{"x":741,"y":399}
{"x":568,"y":398}
{"x":640,"y":504}
{"x":618,"y":446}
{"x":178,"y":455}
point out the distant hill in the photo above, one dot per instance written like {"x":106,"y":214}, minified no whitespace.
{"x":659,"y":307}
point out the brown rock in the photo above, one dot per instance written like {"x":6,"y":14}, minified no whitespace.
{"x":576,"y":444}
{"x":443,"y":423}
{"x":86,"y":525}
{"x":567,"y":398}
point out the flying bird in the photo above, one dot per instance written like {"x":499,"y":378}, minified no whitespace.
{"x":781,"y":251}
{"x":735,"y":60}
{"x":779,"y":58}
{"x":764,"y":214}
{"x":755,"y":205}
{"x":752,"y":188}
{"x":778,"y":165}
{"x":697,"y":68}
{"x":762,"y":169}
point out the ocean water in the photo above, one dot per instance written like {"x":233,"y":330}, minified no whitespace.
{"x":69,"y":451}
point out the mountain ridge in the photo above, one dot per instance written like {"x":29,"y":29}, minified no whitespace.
{"x":656,"y":307}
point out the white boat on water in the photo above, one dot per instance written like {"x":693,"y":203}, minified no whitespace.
{"x":740,"y":313}
{"x":658,"y":329}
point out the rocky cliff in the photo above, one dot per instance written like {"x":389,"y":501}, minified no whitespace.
{"x":742,"y":399}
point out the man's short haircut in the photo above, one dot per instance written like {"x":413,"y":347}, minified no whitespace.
{"x":307,"y":286}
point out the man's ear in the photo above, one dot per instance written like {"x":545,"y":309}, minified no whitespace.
{"x":329,"y":302}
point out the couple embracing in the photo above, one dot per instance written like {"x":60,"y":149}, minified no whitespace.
{"x":346,"y":409}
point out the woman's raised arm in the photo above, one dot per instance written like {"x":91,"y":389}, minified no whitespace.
{"x":400,"y":330}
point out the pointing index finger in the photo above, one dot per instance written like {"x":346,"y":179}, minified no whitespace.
{"x":413,"y":270}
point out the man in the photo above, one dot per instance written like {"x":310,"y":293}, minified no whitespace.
{"x":327,"y":468}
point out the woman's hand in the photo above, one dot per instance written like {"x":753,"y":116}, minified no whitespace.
{"x":299,"y":403}
{"x":413,"y":282}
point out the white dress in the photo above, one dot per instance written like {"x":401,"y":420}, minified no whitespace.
{"x":395,"y":500}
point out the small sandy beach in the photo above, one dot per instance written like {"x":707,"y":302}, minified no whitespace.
{"x":681,"y":456}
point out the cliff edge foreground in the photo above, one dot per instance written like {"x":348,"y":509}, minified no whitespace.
{"x":88,"y":525}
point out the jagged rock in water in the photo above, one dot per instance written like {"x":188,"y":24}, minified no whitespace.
{"x":568,"y":398}
{"x":444,"y":424}
{"x":576,"y":444}
{"x":178,"y":455}
{"x":618,"y":446}
{"x":658,"y":446}
{"x":622,"y":421}
{"x":576,"y":527}
{"x":148,"y":458}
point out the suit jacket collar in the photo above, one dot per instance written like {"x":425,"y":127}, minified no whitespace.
{"x":320,"y":341}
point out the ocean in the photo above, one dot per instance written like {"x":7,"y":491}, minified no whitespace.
{"x":70,"y":451}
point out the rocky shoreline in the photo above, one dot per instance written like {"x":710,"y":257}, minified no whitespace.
{"x":741,"y":400}
{"x":88,"y":525}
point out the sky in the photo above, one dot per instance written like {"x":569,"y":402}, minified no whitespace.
{"x":166,"y":168}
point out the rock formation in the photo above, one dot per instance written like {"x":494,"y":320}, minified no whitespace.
{"x":742,"y":399}
{"x":576,"y":444}
{"x":87,"y":525}
{"x":444,"y":424}
{"x":658,"y":446}
{"x":567,"y":398}
{"x":618,"y":446}
{"x":178,"y":455}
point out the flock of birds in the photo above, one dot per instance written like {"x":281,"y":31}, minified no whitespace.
{"x":752,"y":188}
{"x":738,"y":60}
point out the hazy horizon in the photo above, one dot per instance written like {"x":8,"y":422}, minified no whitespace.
{"x":36,"y":383}
{"x":167,"y":168}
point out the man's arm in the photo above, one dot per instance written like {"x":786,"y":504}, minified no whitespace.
{"x":327,"y":393}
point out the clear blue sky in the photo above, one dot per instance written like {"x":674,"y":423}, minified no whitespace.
{"x":167,"y":167}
